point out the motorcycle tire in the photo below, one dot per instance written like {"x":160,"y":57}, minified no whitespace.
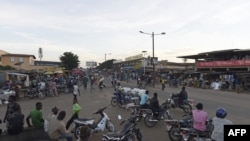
{"x":41,"y":95}
{"x":104,"y":139}
{"x":139,"y":135}
{"x":174,"y":134}
{"x":110,"y":126}
{"x":187,"y":108}
{"x":120,"y":104}
{"x":114,"y":102}
{"x":138,"y":118}
{"x":77,"y":131}
{"x":130,"y":137}
{"x":147,"y":121}
{"x":30,"y":96}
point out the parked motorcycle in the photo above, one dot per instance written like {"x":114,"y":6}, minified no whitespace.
{"x":34,"y":92}
{"x":103,"y":123}
{"x":186,"y":106}
{"x":127,"y":133}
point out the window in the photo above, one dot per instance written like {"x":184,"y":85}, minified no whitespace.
{"x":12,"y":59}
{"x":21,"y":59}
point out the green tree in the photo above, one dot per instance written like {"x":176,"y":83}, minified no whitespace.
{"x":69,"y":60}
{"x":6,"y":67}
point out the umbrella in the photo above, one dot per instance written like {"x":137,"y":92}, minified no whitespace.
{"x":48,"y":72}
{"x":58,"y":71}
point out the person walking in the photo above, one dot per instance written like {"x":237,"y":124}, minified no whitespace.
{"x":92,"y":82}
{"x":163,"y":83}
{"x":53,"y":87}
{"x":85,"y":81}
{"x":75,"y":113}
{"x":76,"y":90}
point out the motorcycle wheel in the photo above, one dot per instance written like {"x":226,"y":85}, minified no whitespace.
{"x":138,"y":118}
{"x":120,"y":104}
{"x":30,"y":96}
{"x":187,"y":108}
{"x":114,"y":102}
{"x":174,"y":134}
{"x":77,"y":131}
{"x":147,"y":121}
{"x":139,"y":135}
{"x":130,"y":137}
{"x":104,"y":139}
{"x":110,"y":126}
{"x":41,"y":95}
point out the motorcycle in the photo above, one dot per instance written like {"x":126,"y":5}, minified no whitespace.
{"x":127,"y":133}
{"x":103,"y":123}
{"x":151,"y":118}
{"x":122,"y":99}
{"x":139,"y":112}
{"x":183,"y":130}
{"x":186,"y":106}
{"x":190,"y":134}
{"x":173,"y":127}
{"x":34,"y":92}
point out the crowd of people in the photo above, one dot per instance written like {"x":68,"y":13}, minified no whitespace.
{"x":199,"y":116}
{"x":55,"y":127}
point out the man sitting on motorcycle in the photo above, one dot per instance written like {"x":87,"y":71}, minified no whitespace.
{"x":200,"y":118}
{"x":155,"y":106}
{"x":181,"y":97}
{"x":144,"y":100}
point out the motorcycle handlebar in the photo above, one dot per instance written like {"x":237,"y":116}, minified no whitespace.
{"x":100,"y":110}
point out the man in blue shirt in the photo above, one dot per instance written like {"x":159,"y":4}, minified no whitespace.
{"x":144,"y":100}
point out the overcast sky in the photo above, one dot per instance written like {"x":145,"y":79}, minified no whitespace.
{"x":93,"y":28}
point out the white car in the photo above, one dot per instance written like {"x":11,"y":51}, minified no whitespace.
{"x":4,"y":96}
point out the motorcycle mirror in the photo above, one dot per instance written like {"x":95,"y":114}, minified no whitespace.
{"x":119,"y":117}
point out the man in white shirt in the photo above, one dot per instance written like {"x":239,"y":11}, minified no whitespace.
{"x":52,"y":115}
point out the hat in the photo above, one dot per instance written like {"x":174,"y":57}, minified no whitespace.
{"x":55,"y":109}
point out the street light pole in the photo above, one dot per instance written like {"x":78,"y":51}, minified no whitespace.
{"x":153,"y":45}
{"x":143,"y":53}
{"x":107,"y":54}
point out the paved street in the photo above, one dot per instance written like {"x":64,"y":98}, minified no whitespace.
{"x":90,"y":102}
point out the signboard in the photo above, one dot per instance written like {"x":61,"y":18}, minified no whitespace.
{"x":154,"y":60}
{"x":230,"y":63}
{"x":91,"y":64}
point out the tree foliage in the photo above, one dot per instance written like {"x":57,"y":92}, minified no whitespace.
{"x":6,"y":67}
{"x":69,"y":60}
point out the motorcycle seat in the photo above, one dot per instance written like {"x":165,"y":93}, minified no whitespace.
{"x":85,"y":119}
{"x":114,"y":134}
